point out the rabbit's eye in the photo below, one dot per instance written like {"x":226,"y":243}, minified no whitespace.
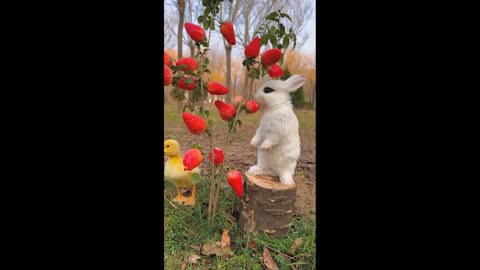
{"x":267,"y":90}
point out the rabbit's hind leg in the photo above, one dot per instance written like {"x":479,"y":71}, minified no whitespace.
{"x":286,"y":174}
{"x":263,"y":166}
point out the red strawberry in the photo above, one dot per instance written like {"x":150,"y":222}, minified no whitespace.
{"x":192,"y":159}
{"x":236,"y":100}
{"x":195,"y":124}
{"x":227,"y":111}
{"x":190,"y":62}
{"x":167,"y":60}
{"x":189,"y":87}
{"x":235,"y":180}
{"x":252,"y":106}
{"x":228,"y":33}
{"x":271,"y":56}
{"x":215,"y":88}
{"x":253,"y":49}
{"x":217,"y":154}
{"x":196,"y":32}
{"x":275,"y":71}
{"x":167,"y":75}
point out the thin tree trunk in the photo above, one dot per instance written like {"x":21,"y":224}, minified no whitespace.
{"x":228,"y":49}
{"x":192,"y":54}
{"x":234,"y":87}
{"x":181,"y":11}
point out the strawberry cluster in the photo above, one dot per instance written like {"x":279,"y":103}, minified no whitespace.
{"x":268,"y":59}
{"x":183,"y":74}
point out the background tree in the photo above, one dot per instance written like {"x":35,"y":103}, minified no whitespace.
{"x":230,"y":15}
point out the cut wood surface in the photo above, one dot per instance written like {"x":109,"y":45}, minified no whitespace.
{"x":268,"y":205}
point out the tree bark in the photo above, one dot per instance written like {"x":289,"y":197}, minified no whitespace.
{"x":181,"y":13}
{"x":192,"y":55}
{"x":228,"y":49}
{"x":267,"y":206}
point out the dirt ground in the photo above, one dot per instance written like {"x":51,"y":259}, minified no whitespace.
{"x":242,"y":155}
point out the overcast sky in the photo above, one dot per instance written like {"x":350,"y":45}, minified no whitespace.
{"x":308,"y":47}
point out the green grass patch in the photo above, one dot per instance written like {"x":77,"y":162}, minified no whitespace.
{"x":187,"y":229}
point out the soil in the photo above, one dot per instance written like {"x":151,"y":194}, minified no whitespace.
{"x":241,"y":155}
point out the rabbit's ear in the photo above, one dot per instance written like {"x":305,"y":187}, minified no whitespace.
{"x":294,"y":82}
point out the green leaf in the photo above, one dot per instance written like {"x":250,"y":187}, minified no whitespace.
{"x":195,"y":178}
{"x":205,"y":25}
{"x":264,"y":40}
{"x":272,"y":16}
{"x":272,"y":30}
{"x":239,"y":123}
{"x":207,"y":71}
{"x":285,"y":15}
{"x":188,"y":80}
{"x":207,"y":112}
{"x":204,"y":44}
{"x":175,"y":80}
{"x":282,"y":29}
{"x":197,"y":146}
{"x":206,"y":61}
{"x":257,"y":73}
{"x":185,"y":107}
{"x":175,"y":68}
{"x":181,"y":66}
{"x":189,"y":72}
{"x":273,"y":40}
{"x":286,"y":42}
{"x":201,"y":18}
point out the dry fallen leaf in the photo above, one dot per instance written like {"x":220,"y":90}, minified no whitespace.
{"x":218,"y":248}
{"x":298,"y":242}
{"x":208,"y":249}
{"x":270,"y":264}
{"x":193,"y":258}
{"x":253,"y":246}
{"x":225,"y":241}
{"x":184,"y":265}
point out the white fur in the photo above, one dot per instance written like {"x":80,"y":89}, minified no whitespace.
{"x":277,"y":137}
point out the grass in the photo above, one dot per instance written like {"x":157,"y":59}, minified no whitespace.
{"x":186,"y":228}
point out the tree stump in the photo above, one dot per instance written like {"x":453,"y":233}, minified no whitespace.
{"x":268,"y":205}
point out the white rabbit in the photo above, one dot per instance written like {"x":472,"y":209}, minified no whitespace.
{"x":277,"y":136}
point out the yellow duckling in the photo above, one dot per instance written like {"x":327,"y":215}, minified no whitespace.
{"x":175,"y":173}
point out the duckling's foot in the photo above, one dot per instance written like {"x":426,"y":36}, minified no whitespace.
{"x":179,"y":199}
{"x":191,"y":199}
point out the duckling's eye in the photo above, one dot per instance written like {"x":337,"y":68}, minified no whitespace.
{"x":267,"y":90}
{"x":168,"y":146}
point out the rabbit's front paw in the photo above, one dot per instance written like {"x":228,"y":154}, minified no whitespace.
{"x":266,"y":146}
{"x":286,"y":180}
{"x":255,"y":141}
